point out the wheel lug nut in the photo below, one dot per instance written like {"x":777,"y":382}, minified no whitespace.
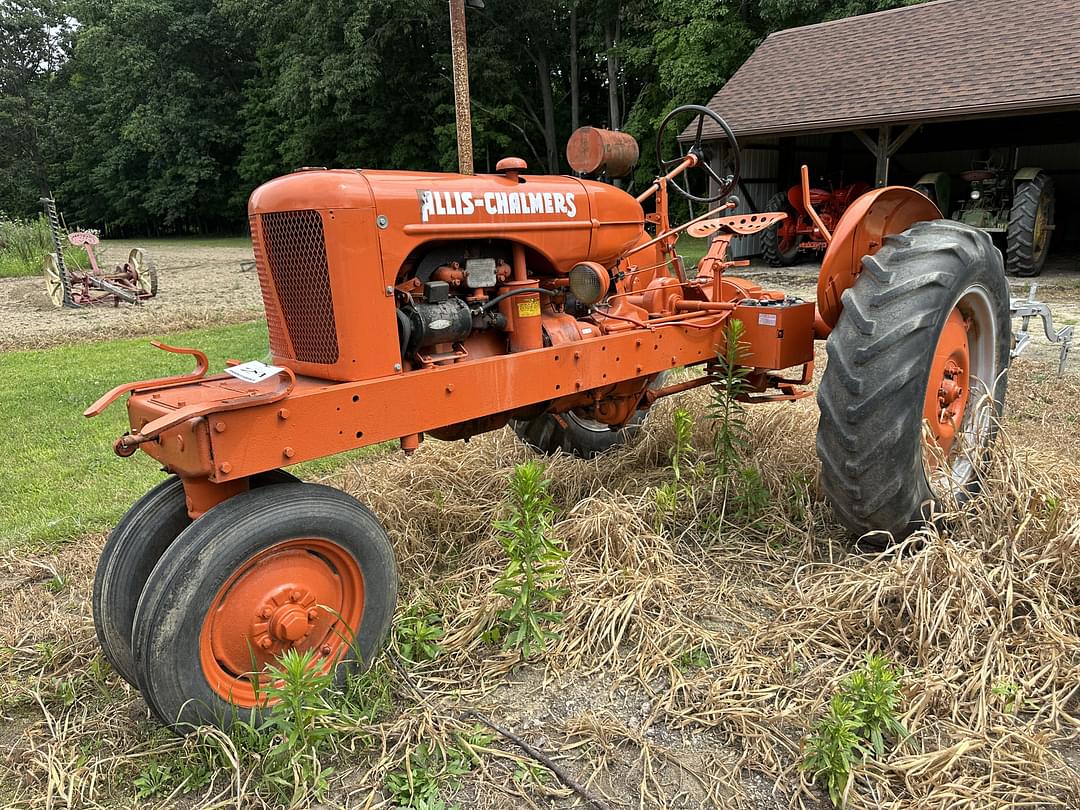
{"x":296,"y":596}
{"x":313,"y":614}
{"x":325,"y":649}
{"x":266,"y":613}
{"x":266,"y":643}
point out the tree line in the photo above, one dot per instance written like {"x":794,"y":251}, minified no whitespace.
{"x":161,"y":116}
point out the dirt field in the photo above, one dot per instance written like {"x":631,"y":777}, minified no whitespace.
{"x":198,"y":286}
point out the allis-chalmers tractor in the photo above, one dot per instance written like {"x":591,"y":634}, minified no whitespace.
{"x":404,"y":304}
{"x":798,"y":233}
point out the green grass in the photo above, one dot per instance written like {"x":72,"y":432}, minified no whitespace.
{"x":61,"y":479}
{"x":691,"y":250}
{"x":18,"y":267}
{"x":14,"y":267}
{"x":23,"y":245}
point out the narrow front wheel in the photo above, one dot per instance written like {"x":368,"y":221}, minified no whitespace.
{"x":293,"y":567}
{"x":136,"y":544}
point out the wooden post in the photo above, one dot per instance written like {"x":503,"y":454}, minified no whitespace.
{"x":884,"y":148}
{"x":881,"y":167}
{"x":462,"y":104}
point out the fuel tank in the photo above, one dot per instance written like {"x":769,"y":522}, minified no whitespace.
{"x":331,"y":244}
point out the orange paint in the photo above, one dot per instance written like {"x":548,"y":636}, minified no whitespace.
{"x":950,"y":382}
{"x":304,"y":594}
{"x":861,"y":232}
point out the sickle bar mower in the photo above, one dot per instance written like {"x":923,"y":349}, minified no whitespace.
{"x":132,"y":282}
{"x":405,"y":304}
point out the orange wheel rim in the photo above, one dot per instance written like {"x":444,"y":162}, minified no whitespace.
{"x":950,"y":382}
{"x":304,"y":594}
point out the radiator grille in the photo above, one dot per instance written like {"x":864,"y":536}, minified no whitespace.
{"x":278,"y":344}
{"x":296,"y":260}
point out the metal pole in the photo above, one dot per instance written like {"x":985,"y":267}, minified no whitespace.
{"x":463,"y":113}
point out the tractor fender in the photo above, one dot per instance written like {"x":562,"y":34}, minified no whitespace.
{"x":860,"y":232}
{"x":931,"y":178}
{"x":1026,"y":175}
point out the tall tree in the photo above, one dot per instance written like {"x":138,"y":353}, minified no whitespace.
{"x":35,"y":41}
{"x":164,"y":114}
{"x":150,"y":101}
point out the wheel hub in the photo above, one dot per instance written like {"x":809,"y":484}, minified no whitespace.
{"x":950,"y":394}
{"x":949,"y":385}
{"x":285,"y":619}
{"x":300,"y":594}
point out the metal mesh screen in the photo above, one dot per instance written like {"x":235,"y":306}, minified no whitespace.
{"x":278,"y":343}
{"x":296,"y":259}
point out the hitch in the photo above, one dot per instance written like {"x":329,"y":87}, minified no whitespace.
{"x":1028,"y":308}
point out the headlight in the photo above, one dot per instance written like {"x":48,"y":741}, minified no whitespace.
{"x":976,"y":194}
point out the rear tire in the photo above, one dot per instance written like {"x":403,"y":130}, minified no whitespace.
{"x":929,"y":192}
{"x":576,"y":435}
{"x":296,"y":566}
{"x":130,"y":554}
{"x":774,"y":250}
{"x":1030,"y":224}
{"x":877,"y":384}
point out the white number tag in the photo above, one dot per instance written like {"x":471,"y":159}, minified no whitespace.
{"x":253,"y":371}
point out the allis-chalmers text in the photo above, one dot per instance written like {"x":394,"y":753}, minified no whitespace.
{"x":495,"y":203}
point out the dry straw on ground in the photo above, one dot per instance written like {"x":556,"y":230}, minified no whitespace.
{"x":700,"y":648}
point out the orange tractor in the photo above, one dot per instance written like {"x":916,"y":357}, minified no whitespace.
{"x":798,"y":233}
{"x":404,"y":304}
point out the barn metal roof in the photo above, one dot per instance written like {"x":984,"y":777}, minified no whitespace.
{"x":943,"y":60}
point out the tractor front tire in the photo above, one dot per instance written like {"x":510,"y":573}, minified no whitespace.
{"x":130,"y":554}
{"x":585,"y":438}
{"x":923,"y":338}
{"x":1030,"y":226}
{"x":775,"y":250}
{"x":300,"y":567}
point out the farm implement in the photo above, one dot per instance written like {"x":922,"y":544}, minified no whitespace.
{"x":1017,"y":206}
{"x":409,"y":304}
{"x":131,"y":282}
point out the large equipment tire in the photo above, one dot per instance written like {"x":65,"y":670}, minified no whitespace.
{"x":1030,"y":226}
{"x":130,"y":554}
{"x":778,"y":248}
{"x":928,"y":191}
{"x":923,"y":338}
{"x":295,"y":566}
{"x":585,"y":438}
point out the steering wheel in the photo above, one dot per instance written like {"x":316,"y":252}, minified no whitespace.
{"x":726,"y":184}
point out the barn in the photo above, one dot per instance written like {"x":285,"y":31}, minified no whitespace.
{"x":886,"y":98}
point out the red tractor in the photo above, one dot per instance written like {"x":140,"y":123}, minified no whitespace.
{"x":782,"y":244}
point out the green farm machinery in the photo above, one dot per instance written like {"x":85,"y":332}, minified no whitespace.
{"x":1017,"y":205}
